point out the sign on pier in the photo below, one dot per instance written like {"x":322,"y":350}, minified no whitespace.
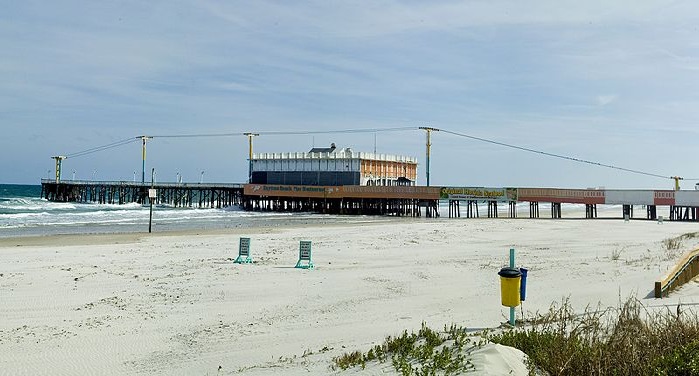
{"x":305,"y":255}
{"x":478,"y":194}
{"x":244,"y":252}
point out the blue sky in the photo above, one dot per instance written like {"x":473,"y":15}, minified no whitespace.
{"x":612,"y":82}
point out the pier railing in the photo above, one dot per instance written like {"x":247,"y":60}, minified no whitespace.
{"x":684,"y":271}
{"x":126,"y":183}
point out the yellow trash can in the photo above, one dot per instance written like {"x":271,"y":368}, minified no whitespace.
{"x":510,"y":279}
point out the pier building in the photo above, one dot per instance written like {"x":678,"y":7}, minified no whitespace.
{"x":333,"y":167}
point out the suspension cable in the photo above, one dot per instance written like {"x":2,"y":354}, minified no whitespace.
{"x":541,"y":152}
{"x":288,"y":133}
{"x":103,"y":147}
{"x":372,"y":130}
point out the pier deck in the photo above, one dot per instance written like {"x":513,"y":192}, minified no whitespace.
{"x":375,"y":200}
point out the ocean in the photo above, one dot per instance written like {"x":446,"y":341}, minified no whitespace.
{"x":24,"y":213}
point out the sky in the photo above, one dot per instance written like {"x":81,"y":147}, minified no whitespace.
{"x":615,"y":83}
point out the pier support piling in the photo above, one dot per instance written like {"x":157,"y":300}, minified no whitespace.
{"x":590,"y":211}
{"x":513,"y":209}
{"x":651,"y":212}
{"x":492,"y":209}
{"x":556,"y":210}
{"x":472,"y":209}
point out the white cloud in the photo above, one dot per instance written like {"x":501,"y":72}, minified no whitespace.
{"x":604,"y":100}
{"x":373,"y":18}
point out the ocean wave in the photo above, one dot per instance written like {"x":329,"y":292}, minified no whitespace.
{"x":28,"y":205}
{"x":10,"y":216}
{"x":24,"y":214}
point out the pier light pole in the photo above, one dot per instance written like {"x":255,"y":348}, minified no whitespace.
{"x":428,"y":149}
{"x":143,"y":171}
{"x":59,"y":161}
{"x":250,"y":136}
{"x":201,"y":179}
{"x":677,"y":181}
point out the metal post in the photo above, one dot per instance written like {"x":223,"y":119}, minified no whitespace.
{"x":512,"y":265}
{"x":429,"y":147}
{"x":428,"y":150}
{"x":250,"y":136}
{"x":143,"y":170}
{"x":59,"y":160}
{"x":150,"y":216}
{"x":374,"y":142}
{"x":677,"y":181}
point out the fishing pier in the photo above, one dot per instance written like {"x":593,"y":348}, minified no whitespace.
{"x":120,"y":193}
{"x":362,"y":200}
{"x":415,"y":201}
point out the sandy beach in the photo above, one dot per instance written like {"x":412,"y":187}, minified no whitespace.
{"x":176,"y":304}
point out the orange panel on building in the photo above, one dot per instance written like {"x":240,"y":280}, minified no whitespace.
{"x":664,"y":197}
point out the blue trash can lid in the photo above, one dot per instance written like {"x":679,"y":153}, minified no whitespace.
{"x":509,"y":273}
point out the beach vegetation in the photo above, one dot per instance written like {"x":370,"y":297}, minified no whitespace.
{"x":427,"y":352}
{"x":630,"y":339}
{"x":616,"y":254}
{"x":626,"y":340}
{"x":674,"y":245}
{"x":678,"y":241}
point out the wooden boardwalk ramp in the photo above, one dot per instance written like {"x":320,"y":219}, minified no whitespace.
{"x":684,"y":271}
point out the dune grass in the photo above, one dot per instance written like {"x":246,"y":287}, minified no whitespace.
{"x":426,"y":352}
{"x":627,"y":340}
{"x":674,"y":245}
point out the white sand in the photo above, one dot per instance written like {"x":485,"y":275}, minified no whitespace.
{"x":176,"y":304}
